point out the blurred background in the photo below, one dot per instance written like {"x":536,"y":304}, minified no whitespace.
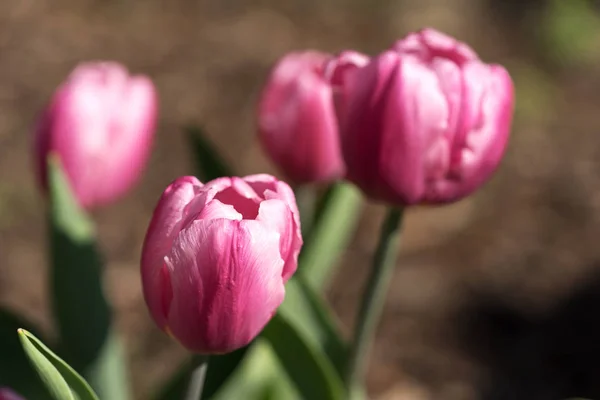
{"x":496,"y":297}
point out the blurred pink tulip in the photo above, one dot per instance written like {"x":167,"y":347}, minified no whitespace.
{"x":101,"y":123}
{"x":426,"y":122}
{"x":216,"y":257}
{"x":7,"y":394}
{"x":297,"y":120}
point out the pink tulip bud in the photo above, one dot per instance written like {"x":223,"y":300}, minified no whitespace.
{"x":297,"y":119}
{"x":426,"y":122}
{"x":7,"y":394}
{"x":216,"y":257}
{"x":100,"y":122}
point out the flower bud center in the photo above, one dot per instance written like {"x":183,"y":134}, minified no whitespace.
{"x":246,"y":206}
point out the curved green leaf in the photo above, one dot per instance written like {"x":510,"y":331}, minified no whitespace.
{"x":259,"y":375}
{"x":16,"y":371}
{"x":80,"y":308}
{"x":82,"y":313}
{"x":311,"y":371}
{"x":219,"y":369}
{"x":61,"y":380}
{"x":307,"y":313}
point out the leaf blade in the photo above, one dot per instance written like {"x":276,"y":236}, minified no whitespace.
{"x":304,"y":309}
{"x":63,"y":381}
{"x":16,"y":370}
{"x":310,"y":370}
{"x":82,"y":313}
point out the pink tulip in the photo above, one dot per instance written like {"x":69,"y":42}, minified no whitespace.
{"x":216,"y":257}
{"x":7,"y":394}
{"x":100,"y":122}
{"x":297,"y":119}
{"x":426,"y":122}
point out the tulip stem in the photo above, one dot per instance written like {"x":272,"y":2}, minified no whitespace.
{"x":374,"y":297}
{"x":196,"y":383}
{"x":306,"y":200}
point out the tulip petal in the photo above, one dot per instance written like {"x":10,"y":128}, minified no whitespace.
{"x":270,"y":188}
{"x":278,"y":216}
{"x":487,"y":113}
{"x":336,"y":68}
{"x":230,"y":287}
{"x":217,"y":210}
{"x":163,"y":228}
{"x":416,"y":115}
{"x":364,"y":92}
{"x":429,"y":43}
{"x":242,"y":197}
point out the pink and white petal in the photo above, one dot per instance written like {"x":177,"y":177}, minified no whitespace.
{"x":159,"y":237}
{"x":268,"y":187}
{"x":217,"y":210}
{"x":416,"y":115}
{"x":227,"y":282}
{"x":129,"y":137}
{"x":276,"y":215}
{"x":261,"y":183}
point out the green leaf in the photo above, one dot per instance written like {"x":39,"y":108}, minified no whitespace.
{"x":207,"y":159}
{"x":307,"y":200}
{"x":82,"y":313}
{"x":309,"y":315}
{"x":16,"y":371}
{"x":219,"y":369}
{"x":335,"y":222}
{"x":259,"y":376}
{"x":108,"y":373}
{"x":61,"y":380}
{"x":311,"y":371}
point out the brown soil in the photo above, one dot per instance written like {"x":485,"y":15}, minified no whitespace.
{"x":493,"y":298}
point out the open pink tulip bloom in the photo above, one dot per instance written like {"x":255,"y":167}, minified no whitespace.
{"x":216,"y":257}
{"x":7,"y":394}
{"x":297,"y":120}
{"x":100,"y":122}
{"x":425,"y":122}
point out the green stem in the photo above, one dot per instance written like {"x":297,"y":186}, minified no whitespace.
{"x":374,"y":297}
{"x":196,"y":383}
{"x":306,"y":200}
